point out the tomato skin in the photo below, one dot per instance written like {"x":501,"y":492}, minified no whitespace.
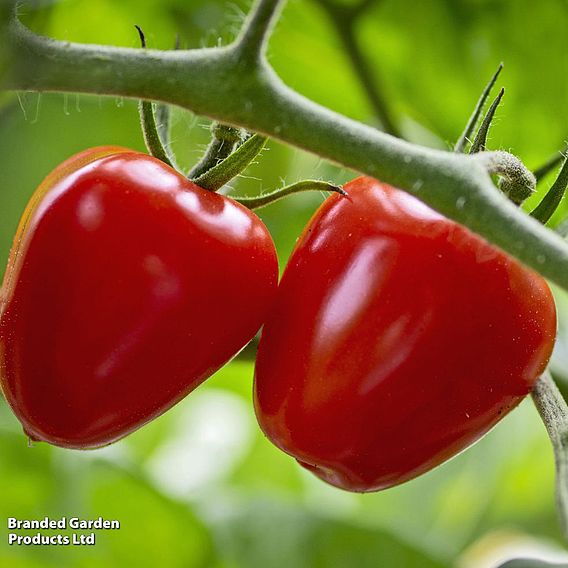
{"x":397,"y":339}
{"x":127,"y":287}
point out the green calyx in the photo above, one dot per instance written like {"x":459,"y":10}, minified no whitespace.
{"x":259,"y":201}
{"x":230,"y":151}
{"x":224,"y":140}
{"x":550,"y":202}
{"x":220,"y":174}
{"x":466,"y":135}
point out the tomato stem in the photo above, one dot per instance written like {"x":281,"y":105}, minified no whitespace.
{"x":464,"y":139}
{"x":148,"y":123}
{"x":550,"y":202}
{"x":253,"y":39}
{"x":235,"y":85}
{"x":224,"y":139}
{"x":553,"y":411}
{"x":259,"y":201}
{"x":163,"y":116}
{"x":216,"y":177}
{"x":344,"y":19}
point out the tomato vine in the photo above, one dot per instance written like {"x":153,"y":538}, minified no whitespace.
{"x":236,"y":85}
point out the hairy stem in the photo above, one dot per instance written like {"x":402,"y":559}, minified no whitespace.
{"x":554,"y":413}
{"x":258,"y":26}
{"x":223,"y":141}
{"x":150,"y":132}
{"x":216,"y":83}
{"x":163,"y":120}
{"x":259,"y":201}
{"x":517,"y":182}
{"x":217,"y":176}
{"x":148,"y":122}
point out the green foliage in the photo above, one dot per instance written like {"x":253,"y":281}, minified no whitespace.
{"x":231,"y":499}
{"x":528,"y":563}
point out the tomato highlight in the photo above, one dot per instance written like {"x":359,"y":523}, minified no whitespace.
{"x":397,"y":339}
{"x":127,"y":286}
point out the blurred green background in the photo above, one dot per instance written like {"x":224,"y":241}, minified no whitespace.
{"x":201,"y":487}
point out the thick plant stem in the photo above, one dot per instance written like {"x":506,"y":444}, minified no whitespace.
{"x":259,"y":201}
{"x":216,"y":83}
{"x":163,"y":116}
{"x":258,"y":26}
{"x":554,"y":413}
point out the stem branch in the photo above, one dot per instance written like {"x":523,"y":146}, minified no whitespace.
{"x":554,"y":413}
{"x":344,"y":19}
{"x":211,"y":82}
{"x":223,"y":141}
{"x":257,"y":28}
{"x":259,"y":201}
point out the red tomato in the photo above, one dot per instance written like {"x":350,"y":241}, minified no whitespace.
{"x":127,"y":287}
{"x":397,"y":339}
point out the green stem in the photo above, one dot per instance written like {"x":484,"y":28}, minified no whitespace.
{"x":554,"y":413}
{"x":344,"y":19}
{"x":215,"y":83}
{"x":256,"y":30}
{"x":148,"y":123}
{"x":259,"y":201}
{"x":150,"y":133}
{"x":163,"y":116}
{"x":163,"y":120}
{"x":223,"y":141}
{"x":481,"y":138}
{"x":216,"y":177}
{"x":550,"y":202}
{"x":473,"y":119}
{"x":216,"y":151}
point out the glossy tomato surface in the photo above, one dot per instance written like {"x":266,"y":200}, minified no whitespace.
{"x":397,"y":339}
{"x":127,"y":286}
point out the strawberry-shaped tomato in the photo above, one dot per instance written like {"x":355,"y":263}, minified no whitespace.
{"x":127,"y":286}
{"x":397,"y":339}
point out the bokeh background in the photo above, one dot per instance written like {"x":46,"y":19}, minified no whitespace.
{"x":201,"y":486}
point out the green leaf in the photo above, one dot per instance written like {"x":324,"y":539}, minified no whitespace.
{"x":304,"y":539}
